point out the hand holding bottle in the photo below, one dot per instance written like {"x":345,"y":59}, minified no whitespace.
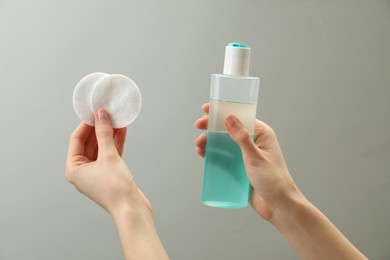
{"x":276,"y":198}
{"x":263,"y":160}
{"x":225,"y":184}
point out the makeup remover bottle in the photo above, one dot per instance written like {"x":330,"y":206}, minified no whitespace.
{"x":225,"y":183}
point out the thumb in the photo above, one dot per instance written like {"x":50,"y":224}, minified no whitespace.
{"x":104,"y":132}
{"x":240,"y":135}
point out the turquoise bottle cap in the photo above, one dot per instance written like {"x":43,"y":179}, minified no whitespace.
{"x":238,"y":45}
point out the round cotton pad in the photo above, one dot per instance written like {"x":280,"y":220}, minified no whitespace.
{"x":120,"y":96}
{"x":82,"y":96}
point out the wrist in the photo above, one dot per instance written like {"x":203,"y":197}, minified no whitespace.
{"x":124,"y":199}
{"x":134,"y":223}
{"x":289,"y":205}
{"x":137,"y":231}
{"x":132,"y":208}
{"x":133,"y":216}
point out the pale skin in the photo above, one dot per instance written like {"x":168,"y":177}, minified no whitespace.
{"x":95,"y":167}
{"x":276,"y":198}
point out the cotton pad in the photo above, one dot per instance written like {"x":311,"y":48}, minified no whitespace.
{"x":82,"y":96}
{"x":120,"y":96}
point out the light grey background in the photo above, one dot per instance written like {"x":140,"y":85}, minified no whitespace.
{"x":325,"y":89}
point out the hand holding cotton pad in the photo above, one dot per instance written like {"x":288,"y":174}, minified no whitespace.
{"x":118,"y":94}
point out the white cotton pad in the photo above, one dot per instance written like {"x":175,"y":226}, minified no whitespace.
{"x":82,"y":96}
{"x":120,"y":96}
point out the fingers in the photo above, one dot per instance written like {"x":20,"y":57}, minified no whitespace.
{"x":119,"y":139}
{"x":202,"y":122}
{"x":91,"y":147}
{"x":206,"y":107}
{"x":78,"y":139}
{"x":104,"y":133}
{"x":241,"y":136}
{"x":200,"y":144}
{"x":265,"y":136}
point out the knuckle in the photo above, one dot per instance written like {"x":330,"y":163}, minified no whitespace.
{"x":271,"y":131}
{"x":74,"y":137}
{"x":110,"y":156}
{"x":69,"y":177}
{"x":69,"y":174}
{"x":243,"y":135}
{"x":105,"y":132}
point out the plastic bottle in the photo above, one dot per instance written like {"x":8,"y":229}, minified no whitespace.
{"x":225,"y":183}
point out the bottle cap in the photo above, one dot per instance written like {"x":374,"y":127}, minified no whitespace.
{"x":237,"y":59}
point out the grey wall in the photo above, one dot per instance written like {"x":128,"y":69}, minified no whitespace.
{"x":325,"y":89}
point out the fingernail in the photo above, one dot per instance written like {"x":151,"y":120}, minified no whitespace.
{"x":231,"y":121}
{"x":102,"y":114}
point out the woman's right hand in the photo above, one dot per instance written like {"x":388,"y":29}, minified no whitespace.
{"x":263,"y":160}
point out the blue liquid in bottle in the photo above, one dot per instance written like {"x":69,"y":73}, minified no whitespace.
{"x":225,"y":184}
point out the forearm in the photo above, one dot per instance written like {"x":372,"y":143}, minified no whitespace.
{"x":309,"y":231}
{"x":138,"y":235}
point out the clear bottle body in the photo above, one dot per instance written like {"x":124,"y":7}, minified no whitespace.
{"x":225,"y":183}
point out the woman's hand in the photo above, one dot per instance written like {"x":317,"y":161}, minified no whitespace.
{"x":263,"y":160}
{"x":95,"y":167}
{"x":276,"y":198}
